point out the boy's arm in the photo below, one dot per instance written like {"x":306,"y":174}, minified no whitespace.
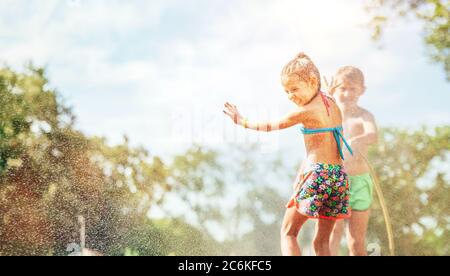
{"x":291,"y":119}
{"x":370,"y":135}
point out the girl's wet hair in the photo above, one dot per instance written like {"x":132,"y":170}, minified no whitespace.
{"x":303,"y":67}
{"x":351,"y":74}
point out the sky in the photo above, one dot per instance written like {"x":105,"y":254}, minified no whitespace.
{"x":160,"y":71}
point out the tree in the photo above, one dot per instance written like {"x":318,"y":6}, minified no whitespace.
{"x":50,"y":174}
{"x":435,"y":14}
{"x":412,"y":167}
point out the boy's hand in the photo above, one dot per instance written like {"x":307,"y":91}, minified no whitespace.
{"x":354,"y":143}
{"x":231,"y":110}
{"x":332,"y":85}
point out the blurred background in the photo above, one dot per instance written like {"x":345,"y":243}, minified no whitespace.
{"x":112,"y":135}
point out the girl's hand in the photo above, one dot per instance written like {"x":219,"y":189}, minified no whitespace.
{"x":231,"y":110}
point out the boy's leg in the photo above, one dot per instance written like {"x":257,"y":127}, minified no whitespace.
{"x":356,"y":234}
{"x":321,"y":242}
{"x":336,"y":237}
{"x":292,"y":223}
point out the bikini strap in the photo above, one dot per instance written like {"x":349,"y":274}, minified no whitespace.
{"x":325,"y":101}
{"x":337,"y":133}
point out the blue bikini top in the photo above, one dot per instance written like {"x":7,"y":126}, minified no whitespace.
{"x":337,"y":131}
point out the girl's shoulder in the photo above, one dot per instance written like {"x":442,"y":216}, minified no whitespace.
{"x":329,"y":97}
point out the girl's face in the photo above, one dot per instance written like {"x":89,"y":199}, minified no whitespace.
{"x":298,"y":91}
{"x":348,"y":92}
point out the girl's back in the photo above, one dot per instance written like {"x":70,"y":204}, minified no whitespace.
{"x":322,"y":147}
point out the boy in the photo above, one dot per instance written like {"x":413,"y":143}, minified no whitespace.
{"x":360,"y":130}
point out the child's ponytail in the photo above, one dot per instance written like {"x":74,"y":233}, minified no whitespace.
{"x":302,"y":55}
{"x":304,"y":68}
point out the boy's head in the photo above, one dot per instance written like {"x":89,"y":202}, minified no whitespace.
{"x":301,"y":79}
{"x":351,"y":80}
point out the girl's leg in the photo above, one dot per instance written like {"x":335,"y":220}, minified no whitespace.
{"x":336,"y":237}
{"x":298,"y":178}
{"x":292,"y":223}
{"x":322,"y":239}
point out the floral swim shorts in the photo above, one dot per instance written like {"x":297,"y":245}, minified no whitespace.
{"x":322,"y":192}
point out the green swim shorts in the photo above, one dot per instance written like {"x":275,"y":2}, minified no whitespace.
{"x":361,"y":192}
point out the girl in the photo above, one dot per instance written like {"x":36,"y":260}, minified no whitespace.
{"x":322,"y":190}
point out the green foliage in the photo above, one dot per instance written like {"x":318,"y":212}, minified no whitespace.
{"x":435,"y":14}
{"x":51,"y":173}
{"x":412,"y":167}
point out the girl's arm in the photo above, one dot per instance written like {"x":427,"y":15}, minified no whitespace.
{"x":291,"y":119}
